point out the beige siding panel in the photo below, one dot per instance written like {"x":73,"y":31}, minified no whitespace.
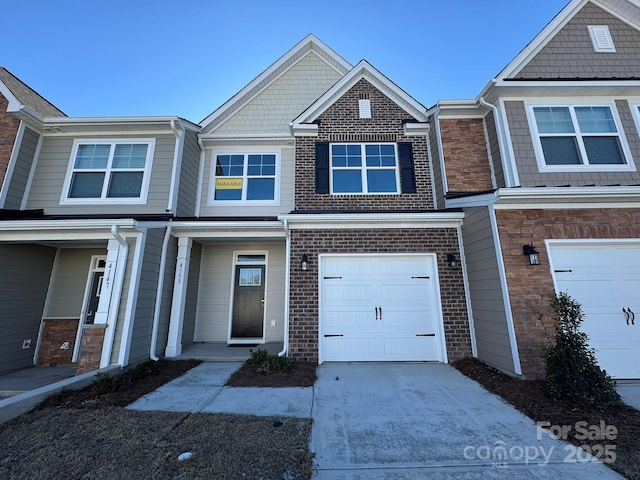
{"x":212,"y":322}
{"x":127,"y":288}
{"x":287,"y":170}
{"x":25,"y":271}
{"x":167,"y":296}
{"x":190,"y":166}
{"x":20,"y":176}
{"x":570,"y":54}
{"x":70,"y":281}
{"x":485,"y":289}
{"x":277,"y":105}
{"x":52,"y":168}
{"x":191,"y":303}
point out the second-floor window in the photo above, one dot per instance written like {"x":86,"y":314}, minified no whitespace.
{"x":245,"y":177}
{"x":579,"y":136}
{"x":114,"y":171}
{"x":364,"y":168}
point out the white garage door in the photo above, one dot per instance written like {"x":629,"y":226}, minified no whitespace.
{"x":605,"y":280}
{"x":379,"y":308}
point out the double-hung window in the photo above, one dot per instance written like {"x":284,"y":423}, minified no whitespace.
{"x":578,"y":137}
{"x":245,"y":177}
{"x":108,"y":171}
{"x":368,"y":168}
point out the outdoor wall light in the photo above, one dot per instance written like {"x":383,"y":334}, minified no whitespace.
{"x":532,"y":253}
{"x":304,"y":264}
{"x":452,"y":261}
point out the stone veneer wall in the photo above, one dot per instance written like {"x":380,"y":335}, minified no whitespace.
{"x":54,"y":334}
{"x":91,"y":348}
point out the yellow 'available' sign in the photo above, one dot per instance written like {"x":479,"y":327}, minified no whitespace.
{"x":228,"y":184}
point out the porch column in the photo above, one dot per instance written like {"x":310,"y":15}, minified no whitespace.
{"x":174,"y":342}
{"x":113,"y":248}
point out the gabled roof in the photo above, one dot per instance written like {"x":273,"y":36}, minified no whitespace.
{"x":19,"y":94}
{"x":627,"y":11}
{"x":363,"y":70}
{"x":309,"y":44}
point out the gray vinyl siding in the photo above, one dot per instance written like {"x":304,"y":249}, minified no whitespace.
{"x":25,"y":272}
{"x":570,"y":54}
{"x":20,"y":177}
{"x":70,"y":282}
{"x":191,"y":302}
{"x":525,"y":157}
{"x":494,"y":148}
{"x":485,"y":289}
{"x":126,"y":291}
{"x":167,"y":296}
{"x":51,"y":170}
{"x":212,"y":322}
{"x":436,"y":165}
{"x":188,"y":185}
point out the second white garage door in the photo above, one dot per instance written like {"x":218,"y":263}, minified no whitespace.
{"x":380,"y":308}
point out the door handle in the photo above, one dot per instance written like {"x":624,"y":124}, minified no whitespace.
{"x":262,"y":303}
{"x":626,"y":314}
{"x":376,"y":313}
{"x":633,"y":316}
{"x":380,"y":313}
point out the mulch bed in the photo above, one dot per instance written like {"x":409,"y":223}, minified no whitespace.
{"x":532,"y":398}
{"x":296,"y":374}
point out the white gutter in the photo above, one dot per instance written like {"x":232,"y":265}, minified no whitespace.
{"x":64,"y":224}
{"x":178,"y":133}
{"x":156,"y":313}
{"x":203,"y":159}
{"x":114,"y":302}
{"x":502,"y":143}
{"x":287,"y":284}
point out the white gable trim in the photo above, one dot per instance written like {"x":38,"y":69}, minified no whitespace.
{"x":363,"y":70}
{"x":14,"y":103}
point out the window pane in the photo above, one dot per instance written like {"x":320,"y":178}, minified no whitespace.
{"x":251,"y":258}
{"x":553,"y":120}
{"x":339,"y":150}
{"x":347,"y":181}
{"x":125,"y":185}
{"x":229,"y":165}
{"x":92,"y":156}
{"x":381,"y":181}
{"x":228,"y":194}
{"x":86,"y":185}
{"x":346,"y":155}
{"x":595,"y":120}
{"x":129,"y":156}
{"x":260,"y":189}
{"x":560,"y":151}
{"x":604,"y":150}
{"x":250,"y":277}
{"x":259,"y":165}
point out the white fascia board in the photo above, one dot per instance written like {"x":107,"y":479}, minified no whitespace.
{"x":565,"y":192}
{"x":568,"y":83}
{"x":416,"y":129}
{"x":14,"y":103}
{"x":43,"y":225}
{"x":347,"y":221}
{"x":304,"y":129}
{"x":471,"y":201}
{"x":51,"y":122}
{"x":217,"y":229}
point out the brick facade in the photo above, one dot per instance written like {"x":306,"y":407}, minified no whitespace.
{"x":8,"y":131}
{"x":530,"y":286}
{"x":341,"y":123}
{"x":466,"y":160}
{"x":91,"y":348}
{"x":54,"y":334}
{"x":303,"y":309}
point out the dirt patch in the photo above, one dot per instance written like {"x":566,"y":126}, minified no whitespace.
{"x":532,"y":398}
{"x":296,"y":374}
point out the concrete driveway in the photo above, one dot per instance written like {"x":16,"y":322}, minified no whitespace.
{"x":407,"y":421}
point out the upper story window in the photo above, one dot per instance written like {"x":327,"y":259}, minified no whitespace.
{"x":364,"y":168}
{"x":111,"y":171}
{"x":579,"y":137}
{"x":245,"y":177}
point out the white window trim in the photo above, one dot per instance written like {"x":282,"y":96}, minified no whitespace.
{"x":211,"y":201}
{"x":571,"y":103}
{"x":364,"y":168}
{"x":144,"y":188}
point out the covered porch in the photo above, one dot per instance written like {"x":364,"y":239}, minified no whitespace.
{"x":224,"y":352}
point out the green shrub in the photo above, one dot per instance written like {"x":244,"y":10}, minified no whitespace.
{"x":268,"y":363}
{"x":105,"y":383}
{"x":573,"y":373}
{"x":143,"y":370}
{"x":260,"y":355}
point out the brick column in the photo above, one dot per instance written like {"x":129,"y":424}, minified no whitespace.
{"x":91,"y":348}
{"x":58,"y":341}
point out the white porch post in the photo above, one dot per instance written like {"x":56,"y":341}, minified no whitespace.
{"x":108,"y":280}
{"x":174,"y":342}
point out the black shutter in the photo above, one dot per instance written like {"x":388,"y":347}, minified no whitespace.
{"x":322,"y":167}
{"x":407,"y":174}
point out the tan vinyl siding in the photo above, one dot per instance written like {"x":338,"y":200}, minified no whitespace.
{"x":127,"y":288}
{"x":51,"y":170}
{"x":212,"y":321}
{"x":20,"y":176}
{"x":494,"y":149}
{"x":70,"y":282}
{"x":485,"y":289}
{"x":25,"y":271}
{"x":435,"y":165}
{"x":167,"y":295}
{"x":191,"y":303}
{"x":287,"y":170}
{"x":530,"y":175}
{"x":188,"y":185}
{"x":279,"y":103}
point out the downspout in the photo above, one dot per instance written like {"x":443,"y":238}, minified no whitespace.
{"x":112,"y":319}
{"x":287,"y":284}
{"x":171,"y":207}
{"x":156,"y":313}
{"x":501,"y":141}
{"x":203,"y":156}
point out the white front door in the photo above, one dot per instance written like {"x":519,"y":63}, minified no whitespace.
{"x":380,"y":308}
{"x":605,"y":279}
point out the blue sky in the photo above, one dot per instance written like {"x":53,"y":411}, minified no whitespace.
{"x":142,"y":57}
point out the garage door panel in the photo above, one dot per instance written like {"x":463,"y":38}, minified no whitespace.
{"x":346,"y":349}
{"x":349,"y":292}
{"x":405,"y":294}
{"x":347,"y":267}
{"x":347,"y":319}
{"x":408,"y":349}
{"x":403,"y":267}
{"x":408,"y":320}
